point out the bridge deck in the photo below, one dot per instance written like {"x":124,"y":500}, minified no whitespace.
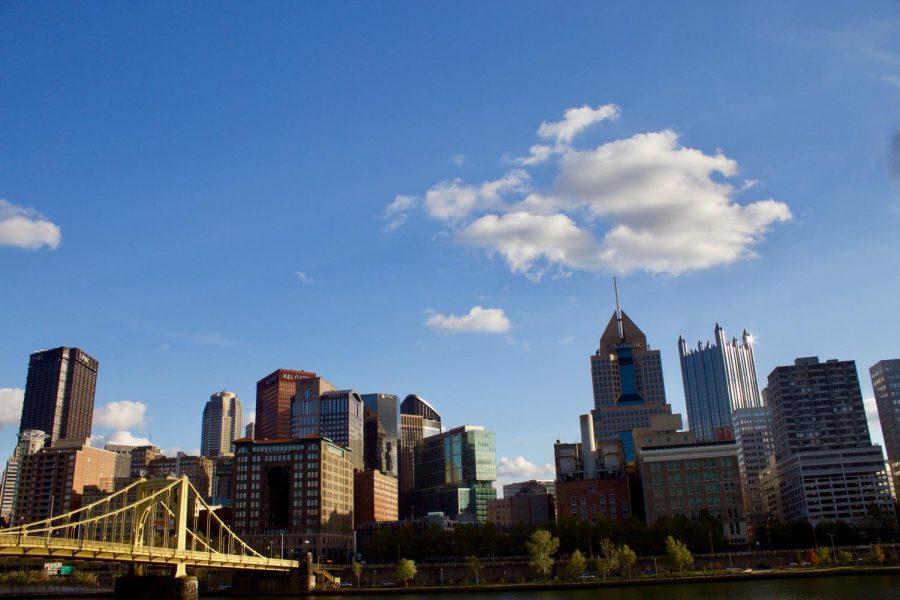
{"x":53,"y":547}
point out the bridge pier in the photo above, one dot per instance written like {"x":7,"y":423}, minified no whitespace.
{"x":156,"y":587}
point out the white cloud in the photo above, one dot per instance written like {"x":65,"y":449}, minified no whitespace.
{"x":524,"y":239}
{"x":643,"y":203}
{"x":521,"y":469}
{"x":576,"y":120}
{"x":453,"y":200}
{"x":120,"y":438}
{"x":537,"y":154}
{"x":893,"y":80}
{"x":396,"y":211}
{"x":120,"y":415}
{"x":26,"y":228}
{"x":489,"y":320}
{"x":304,"y":278}
{"x":873,"y":421}
{"x":11,"y":406}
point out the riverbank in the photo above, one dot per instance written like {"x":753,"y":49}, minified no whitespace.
{"x":661,"y":580}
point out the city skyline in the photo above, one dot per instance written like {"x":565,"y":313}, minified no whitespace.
{"x":186,"y":235}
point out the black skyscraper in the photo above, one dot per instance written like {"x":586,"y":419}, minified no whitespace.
{"x":381,"y":433}
{"x":59,"y":393}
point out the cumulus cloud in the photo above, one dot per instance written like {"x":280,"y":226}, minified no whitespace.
{"x":479,"y":319}
{"x":521,"y":469}
{"x":304,"y":278}
{"x":121,"y":438}
{"x":453,"y":200}
{"x":576,"y":120}
{"x":523,"y":239}
{"x":26,"y":228}
{"x":123,"y":414}
{"x":873,"y":421}
{"x":395,"y":212}
{"x":11,"y":406}
{"x":646,"y":202}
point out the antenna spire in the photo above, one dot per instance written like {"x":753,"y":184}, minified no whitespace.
{"x":618,"y":311}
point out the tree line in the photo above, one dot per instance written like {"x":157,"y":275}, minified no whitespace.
{"x":437,"y":544}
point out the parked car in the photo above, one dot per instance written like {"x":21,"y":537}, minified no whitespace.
{"x":346,"y":584}
{"x":586,"y":577}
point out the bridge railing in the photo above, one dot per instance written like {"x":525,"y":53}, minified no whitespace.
{"x":148,"y":521}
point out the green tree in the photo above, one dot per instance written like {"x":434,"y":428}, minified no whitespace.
{"x":357,"y":570}
{"x":625,"y":558}
{"x":576,"y":565}
{"x":844,"y":557}
{"x":877,"y":555}
{"x":474,"y":566}
{"x":823,"y":554}
{"x":542,"y":546}
{"x":678,"y":554}
{"x":608,"y":560}
{"x":406,"y":570}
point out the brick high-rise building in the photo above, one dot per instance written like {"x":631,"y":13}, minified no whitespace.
{"x":298,"y":492}
{"x":30,"y":441}
{"x":273,"y":402}
{"x":374,"y":497}
{"x":52,"y":480}
{"x":223,"y":422}
{"x":59,"y":393}
{"x":200,"y":470}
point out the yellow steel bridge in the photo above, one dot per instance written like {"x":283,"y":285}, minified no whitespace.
{"x":149,"y":522}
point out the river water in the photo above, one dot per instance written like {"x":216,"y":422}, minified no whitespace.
{"x":863,"y":587}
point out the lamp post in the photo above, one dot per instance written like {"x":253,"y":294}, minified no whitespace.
{"x":833,"y":553}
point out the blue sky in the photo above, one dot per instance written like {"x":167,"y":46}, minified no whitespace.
{"x":197,"y":194}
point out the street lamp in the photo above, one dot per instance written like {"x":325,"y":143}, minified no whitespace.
{"x":833,"y":553}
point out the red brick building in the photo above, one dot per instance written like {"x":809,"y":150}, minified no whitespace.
{"x":375,"y":497}
{"x":592,"y":499}
{"x":273,"y":403}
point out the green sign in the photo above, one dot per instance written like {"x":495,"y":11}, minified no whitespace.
{"x":66,"y":570}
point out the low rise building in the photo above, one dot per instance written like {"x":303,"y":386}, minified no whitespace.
{"x":690,"y":479}
{"x":199,"y":470}
{"x":374,"y":497}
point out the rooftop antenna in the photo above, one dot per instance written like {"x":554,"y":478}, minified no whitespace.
{"x":618,"y":311}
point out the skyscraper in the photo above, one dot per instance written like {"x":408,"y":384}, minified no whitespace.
{"x":886,"y":384}
{"x":273,"y":403}
{"x":718,"y":379}
{"x":381,"y":433}
{"x":59,"y":393}
{"x":418,"y":420}
{"x":334,"y":414}
{"x":454,"y":473}
{"x":628,"y":382}
{"x":250,"y":431}
{"x":826,"y":466}
{"x":222,"y":420}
